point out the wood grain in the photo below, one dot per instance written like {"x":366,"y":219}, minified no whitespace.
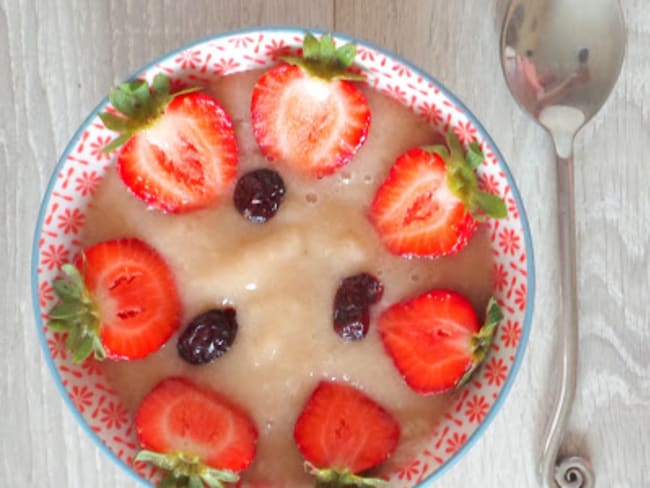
{"x":59,"y":56}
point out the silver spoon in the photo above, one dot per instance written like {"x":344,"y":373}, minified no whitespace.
{"x":561,"y":59}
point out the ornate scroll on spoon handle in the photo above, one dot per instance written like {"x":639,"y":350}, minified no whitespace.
{"x":572,"y":472}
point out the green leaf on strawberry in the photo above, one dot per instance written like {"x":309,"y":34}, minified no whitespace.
{"x":321,"y":58}
{"x":482,"y":341}
{"x":139,"y":106}
{"x":474,"y":156}
{"x":462,"y":180}
{"x":335,"y":478}
{"x":310,"y":47}
{"x":77,"y":314}
{"x":346,"y":54}
{"x":186,"y":471}
{"x":327,"y":48}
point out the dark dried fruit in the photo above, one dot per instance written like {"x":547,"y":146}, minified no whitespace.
{"x":351,"y":305}
{"x":208,"y":336}
{"x":258,"y":194}
{"x":352,"y":323}
{"x":362,"y":288}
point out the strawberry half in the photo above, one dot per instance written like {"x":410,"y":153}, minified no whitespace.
{"x":180,"y":151}
{"x":430,"y":203}
{"x":122,"y":305}
{"x":341,"y":432}
{"x":435,"y":340}
{"x":306,"y":113}
{"x":195,"y":434}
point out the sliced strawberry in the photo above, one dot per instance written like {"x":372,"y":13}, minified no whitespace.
{"x":180,"y":416}
{"x":193,"y":431}
{"x":306,"y":115}
{"x":435,"y":340}
{"x":341,"y":431}
{"x":180,"y":151}
{"x":430,"y":204}
{"x":415,"y":212}
{"x":125,"y":306}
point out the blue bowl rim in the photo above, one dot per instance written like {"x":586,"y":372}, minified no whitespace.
{"x":523,"y":341}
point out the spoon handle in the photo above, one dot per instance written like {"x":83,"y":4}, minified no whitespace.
{"x":573,"y":472}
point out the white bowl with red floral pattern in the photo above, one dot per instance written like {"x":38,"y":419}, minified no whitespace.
{"x":83,"y":164}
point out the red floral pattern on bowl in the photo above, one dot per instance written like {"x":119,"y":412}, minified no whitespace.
{"x":82,"y":166}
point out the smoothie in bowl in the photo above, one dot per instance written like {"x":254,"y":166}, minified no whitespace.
{"x":276,"y":256}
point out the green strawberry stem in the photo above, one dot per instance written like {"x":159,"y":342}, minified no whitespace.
{"x":462,"y":180}
{"x":482,"y":341}
{"x":139,"y":106}
{"x":186,"y":471}
{"x":322,"y":59}
{"x":340,"y":478}
{"x":77,"y":315}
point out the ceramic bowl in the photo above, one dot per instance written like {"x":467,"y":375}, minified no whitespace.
{"x":82,"y":166}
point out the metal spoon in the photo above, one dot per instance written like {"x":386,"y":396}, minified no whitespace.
{"x":561,"y":59}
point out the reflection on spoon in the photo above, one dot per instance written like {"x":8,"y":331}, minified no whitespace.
{"x":536,"y":91}
{"x":563,"y":122}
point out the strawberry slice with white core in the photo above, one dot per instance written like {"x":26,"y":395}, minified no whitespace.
{"x":195,"y":433}
{"x":307,"y":114}
{"x":430,"y":204}
{"x":180,"y":151}
{"x":342,"y":432}
{"x":119,"y":301}
{"x":435,"y":340}
{"x":415,"y":212}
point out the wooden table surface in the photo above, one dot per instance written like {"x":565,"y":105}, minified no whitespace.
{"x":58,"y":58}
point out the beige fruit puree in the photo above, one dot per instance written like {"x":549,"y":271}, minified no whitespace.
{"x":281,"y":277}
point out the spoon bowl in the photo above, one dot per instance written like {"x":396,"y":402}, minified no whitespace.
{"x":561,"y":60}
